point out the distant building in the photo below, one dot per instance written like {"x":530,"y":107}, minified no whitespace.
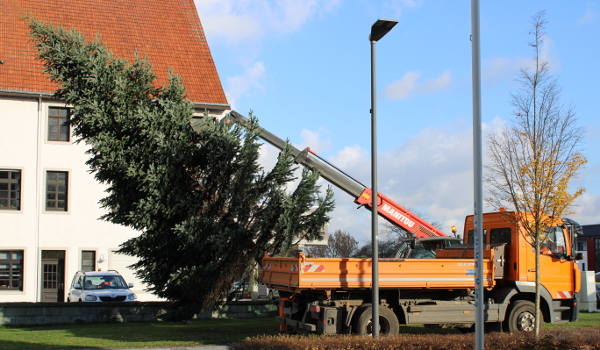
{"x":589,"y":243}
{"x":49,"y":211}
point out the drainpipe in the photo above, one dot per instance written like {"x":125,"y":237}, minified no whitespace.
{"x":38,"y":202}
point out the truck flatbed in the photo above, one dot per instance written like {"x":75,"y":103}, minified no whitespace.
{"x":308,"y":273}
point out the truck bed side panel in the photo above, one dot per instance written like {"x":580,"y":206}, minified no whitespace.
{"x":334,"y":273}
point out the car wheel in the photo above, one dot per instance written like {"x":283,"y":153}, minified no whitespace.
{"x":521,"y":317}
{"x":388,"y":322}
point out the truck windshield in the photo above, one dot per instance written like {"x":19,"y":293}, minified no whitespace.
{"x":554,"y":242}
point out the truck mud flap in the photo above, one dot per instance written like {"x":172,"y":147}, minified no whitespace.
{"x":296,"y":324}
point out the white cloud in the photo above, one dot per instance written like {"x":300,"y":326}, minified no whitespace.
{"x":228,"y":20}
{"x":290,"y":15}
{"x":409,"y":85}
{"x":589,"y":16}
{"x":239,"y":21}
{"x":350,"y":157}
{"x":430,"y":173}
{"x":494,"y":125}
{"x":496,"y":70}
{"x":587,"y":209}
{"x":316,"y":141}
{"x":268,"y":156}
{"x":402,"y":88}
{"x":548,"y":53}
{"x":252,"y":80}
{"x":242,"y":25}
{"x":399,"y":6}
{"x":499,"y":69}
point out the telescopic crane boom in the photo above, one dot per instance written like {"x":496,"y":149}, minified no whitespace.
{"x":387,"y":208}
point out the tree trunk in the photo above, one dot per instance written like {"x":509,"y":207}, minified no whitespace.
{"x":537,"y":289}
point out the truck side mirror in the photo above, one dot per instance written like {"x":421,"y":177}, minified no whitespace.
{"x":578,"y":256}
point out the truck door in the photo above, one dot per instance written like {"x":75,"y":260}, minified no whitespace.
{"x":556,"y":270}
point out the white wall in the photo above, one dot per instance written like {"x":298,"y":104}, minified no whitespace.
{"x":32,"y":229}
{"x":587,"y":293}
{"x":24,"y":144}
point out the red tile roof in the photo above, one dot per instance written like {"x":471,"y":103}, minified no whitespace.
{"x":168,"y":32}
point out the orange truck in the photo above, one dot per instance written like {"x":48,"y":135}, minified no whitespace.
{"x":333,"y":295}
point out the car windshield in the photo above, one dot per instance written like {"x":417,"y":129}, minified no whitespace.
{"x":104,"y":282}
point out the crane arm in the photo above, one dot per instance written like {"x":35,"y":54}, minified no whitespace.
{"x":387,"y":208}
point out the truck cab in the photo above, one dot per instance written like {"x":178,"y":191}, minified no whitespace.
{"x":560,"y":277}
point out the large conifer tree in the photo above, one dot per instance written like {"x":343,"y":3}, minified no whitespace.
{"x":204,"y":207}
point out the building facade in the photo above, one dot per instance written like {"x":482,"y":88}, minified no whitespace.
{"x":589,"y":244}
{"x":49,"y":211}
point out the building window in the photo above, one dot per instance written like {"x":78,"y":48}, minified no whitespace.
{"x":11,"y":270}
{"x":56,"y":190}
{"x":88,"y":260}
{"x":10,"y":189}
{"x":58,"y":127}
{"x":501,"y":235}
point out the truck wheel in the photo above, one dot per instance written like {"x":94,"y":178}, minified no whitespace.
{"x":388,"y":322}
{"x":521,"y":317}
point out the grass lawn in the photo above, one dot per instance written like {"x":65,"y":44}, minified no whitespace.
{"x":165,"y":334}
{"x":135,"y":335}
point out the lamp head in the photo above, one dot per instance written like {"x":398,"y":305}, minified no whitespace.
{"x":380,"y":28}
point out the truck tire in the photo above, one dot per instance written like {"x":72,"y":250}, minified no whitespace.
{"x":388,"y":322}
{"x":521,"y":317}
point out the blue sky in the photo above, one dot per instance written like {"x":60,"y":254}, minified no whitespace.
{"x":303,"y":67}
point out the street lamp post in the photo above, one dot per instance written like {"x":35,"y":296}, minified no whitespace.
{"x":378,"y":31}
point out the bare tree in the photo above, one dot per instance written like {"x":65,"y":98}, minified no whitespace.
{"x":387,"y":248}
{"x":341,"y":245}
{"x":532,"y":162}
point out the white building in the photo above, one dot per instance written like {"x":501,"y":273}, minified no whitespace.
{"x":49,"y":211}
